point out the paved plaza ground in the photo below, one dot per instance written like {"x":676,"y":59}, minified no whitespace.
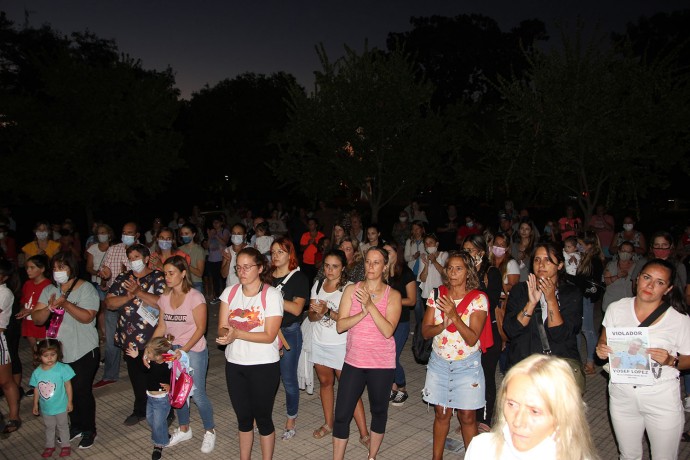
{"x":408,"y":434}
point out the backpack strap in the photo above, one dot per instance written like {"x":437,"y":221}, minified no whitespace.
{"x":233,"y":291}
{"x":264,"y":292}
{"x":319,"y":283}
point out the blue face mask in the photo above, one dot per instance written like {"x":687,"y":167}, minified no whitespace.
{"x":128,"y":240}
{"x":164,"y":244}
{"x":187,"y":239}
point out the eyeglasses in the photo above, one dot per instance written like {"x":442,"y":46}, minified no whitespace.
{"x":244,"y":268}
{"x":657,"y":246}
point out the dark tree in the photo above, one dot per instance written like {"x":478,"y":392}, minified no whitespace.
{"x":368,"y":131}
{"x":459,"y":54}
{"x":227,"y":135}
{"x":81,"y":124}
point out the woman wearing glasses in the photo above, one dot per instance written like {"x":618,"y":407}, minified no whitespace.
{"x":655,"y":408}
{"x":294,"y":286}
{"x":248,"y":323}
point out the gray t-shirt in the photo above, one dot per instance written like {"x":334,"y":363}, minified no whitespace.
{"x":77,"y":338}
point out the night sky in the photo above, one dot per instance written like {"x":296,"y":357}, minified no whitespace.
{"x":207,"y":41}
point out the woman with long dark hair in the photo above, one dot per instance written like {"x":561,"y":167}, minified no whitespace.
{"x":491,"y":284}
{"x":655,"y":408}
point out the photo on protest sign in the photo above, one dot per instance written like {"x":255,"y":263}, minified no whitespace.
{"x":629,"y":362}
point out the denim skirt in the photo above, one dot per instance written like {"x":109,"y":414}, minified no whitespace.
{"x":455,"y":384}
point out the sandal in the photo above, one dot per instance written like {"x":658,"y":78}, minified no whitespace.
{"x":48,"y":452}
{"x":288,"y":434}
{"x":483,"y":428}
{"x":12,"y":426}
{"x":323,"y":431}
{"x":365,"y":440}
{"x":590,"y":369}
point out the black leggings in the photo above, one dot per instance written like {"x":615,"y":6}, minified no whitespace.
{"x":350,"y":389}
{"x":137,"y":377}
{"x":216,"y":276}
{"x":83,"y":416}
{"x":252,"y":391}
{"x":489,"y":362}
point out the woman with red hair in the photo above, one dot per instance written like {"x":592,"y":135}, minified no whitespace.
{"x":294,"y":286}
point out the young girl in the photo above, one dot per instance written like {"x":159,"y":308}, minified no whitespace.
{"x":264,"y":240}
{"x":571,"y":255}
{"x":52,"y":381}
{"x":157,"y":389}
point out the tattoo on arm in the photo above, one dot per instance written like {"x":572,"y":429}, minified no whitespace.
{"x":550,"y":315}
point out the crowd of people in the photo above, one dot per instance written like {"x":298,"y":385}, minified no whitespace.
{"x":323,"y":293}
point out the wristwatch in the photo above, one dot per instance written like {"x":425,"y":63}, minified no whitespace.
{"x":675,"y":362}
{"x":525,"y":314}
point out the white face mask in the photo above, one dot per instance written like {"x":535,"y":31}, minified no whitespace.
{"x":431,"y":249}
{"x":60,"y":277}
{"x":628,"y":227}
{"x":138,"y":265}
{"x":2,"y":235}
{"x":403,"y":219}
{"x":498,"y":251}
{"x":103,"y":238}
{"x":469,"y":224}
{"x":625,"y":256}
{"x":128,"y":240}
{"x":42,"y":235}
{"x":237,"y":239}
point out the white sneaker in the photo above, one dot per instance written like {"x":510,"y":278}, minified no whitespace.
{"x":209,"y":442}
{"x":179,"y":436}
{"x":686,"y":404}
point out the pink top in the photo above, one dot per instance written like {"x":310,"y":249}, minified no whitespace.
{"x":366,"y":347}
{"x":180,"y":321}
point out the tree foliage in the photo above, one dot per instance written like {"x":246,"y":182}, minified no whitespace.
{"x":589,"y":124}
{"x":228,"y":129}
{"x":368,"y":130}
{"x":460,"y":55}
{"x":81,"y":124}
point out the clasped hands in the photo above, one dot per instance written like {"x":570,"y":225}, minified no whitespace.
{"x":228,"y":338}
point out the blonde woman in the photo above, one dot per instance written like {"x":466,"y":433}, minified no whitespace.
{"x":539,"y":414}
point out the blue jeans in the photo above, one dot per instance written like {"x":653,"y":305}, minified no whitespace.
{"x":288,"y":367}
{"x":588,"y":329}
{"x":157,"y":417}
{"x":198,"y":360}
{"x":199,"y":286}
{"x":111,"y":369}
{"x":402,"y":332}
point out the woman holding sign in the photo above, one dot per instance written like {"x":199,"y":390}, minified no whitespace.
{"x":655,"y":408}
{"x":454,"y":318}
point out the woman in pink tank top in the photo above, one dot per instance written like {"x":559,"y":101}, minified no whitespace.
{"x":370,"y":312}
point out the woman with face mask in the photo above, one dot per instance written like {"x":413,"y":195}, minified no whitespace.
{"x":432,"y":262}
{"x":662,"y":247}
{"x":401,"y":229}
{"x":197,"y":257}
{"x":618,"y":275}
{"x":95,"y":256}
{"x":134,"y":295}
{"x":73,"y":304}
{"x":237,"y":243}
{"x":629,"y":234}
{"x":42,"y":244}
{"x":164,"y":248}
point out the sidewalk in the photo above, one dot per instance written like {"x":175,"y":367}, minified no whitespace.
{"x":408,"y":433}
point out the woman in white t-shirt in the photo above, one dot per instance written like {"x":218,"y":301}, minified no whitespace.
{"x":238,"y":236}
{"x":183,"y":316}
{"x":328,"y":347}
{"x":501,"y":258}
{"x":656,"y":408}
{"x":248,"y":322}
{"x":432,"y":261}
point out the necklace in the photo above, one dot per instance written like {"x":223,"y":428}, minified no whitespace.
{"x":249,"y":300}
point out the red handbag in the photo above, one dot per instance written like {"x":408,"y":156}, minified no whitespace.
{"x":180,"y":386}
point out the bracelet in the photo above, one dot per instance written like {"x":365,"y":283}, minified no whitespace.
{"x":525,"y":314}
{"x":675,"y":362}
